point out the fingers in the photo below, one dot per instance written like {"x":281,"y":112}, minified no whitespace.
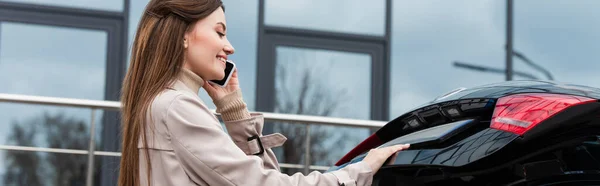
{"x":377,"y":157}
{"x":393,"y":158}
{"x":207,"y":85}
{"x":402,"y":147}
{"x":235,"y":73}
{"x":393,"y":149}
{"x":209,"y":88}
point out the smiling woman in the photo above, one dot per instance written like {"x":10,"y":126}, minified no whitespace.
{"x":170,"y":137}
{"x":206,"y":54}
{"x":242,"y":19}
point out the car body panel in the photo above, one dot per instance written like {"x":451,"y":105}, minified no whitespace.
{"x":478,"y":146}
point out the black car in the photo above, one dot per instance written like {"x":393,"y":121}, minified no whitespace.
{"x":509,"y":133}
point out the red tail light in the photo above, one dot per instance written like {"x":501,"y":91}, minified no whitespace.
{"x":369,"y":143}
{"x":521,"y":112}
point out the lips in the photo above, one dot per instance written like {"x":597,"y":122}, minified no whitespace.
{"x":223,"y":60}
{"x":222,"y":57}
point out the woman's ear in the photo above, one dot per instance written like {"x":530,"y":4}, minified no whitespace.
{"x":185,"y":41}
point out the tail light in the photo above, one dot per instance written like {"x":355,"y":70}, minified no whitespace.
{"x":521,"y":112}
{"x":371,"y":142}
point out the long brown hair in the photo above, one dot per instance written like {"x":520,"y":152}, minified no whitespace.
{"x":156,"y":60}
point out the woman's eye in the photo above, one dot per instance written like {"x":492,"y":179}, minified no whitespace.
{"x":221,"y":34}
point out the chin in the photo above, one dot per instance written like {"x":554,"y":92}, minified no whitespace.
{"x":219,"y":76}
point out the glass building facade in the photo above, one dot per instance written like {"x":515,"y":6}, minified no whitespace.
{"x":354,"y":59}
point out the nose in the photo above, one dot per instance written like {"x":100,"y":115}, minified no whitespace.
{"x":228,"y":48}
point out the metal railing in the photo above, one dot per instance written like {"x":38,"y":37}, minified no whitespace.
{"x":115,"y":106}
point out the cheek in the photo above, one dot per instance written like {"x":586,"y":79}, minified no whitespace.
{"x":201,"y":55}
{"x":203,"y":49}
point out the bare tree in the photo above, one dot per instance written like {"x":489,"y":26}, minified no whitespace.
{"x":306,"y":95}
{"x":66,"y":133}
{"x":58,"y":131}
{"x":22,"y":167}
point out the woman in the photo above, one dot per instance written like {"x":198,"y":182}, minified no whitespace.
{"x":170,"y":137}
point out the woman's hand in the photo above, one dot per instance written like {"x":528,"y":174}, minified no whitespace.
{"x":376,"y":157}
{"x":216,"y":92}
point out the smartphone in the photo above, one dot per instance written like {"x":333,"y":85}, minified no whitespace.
{"x":229,"y":69}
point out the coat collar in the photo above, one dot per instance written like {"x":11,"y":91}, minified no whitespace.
{"x":190,"y":80}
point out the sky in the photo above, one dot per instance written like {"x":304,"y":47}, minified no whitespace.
{"x":427,"y":36}
{"x":110,"y":5}
{"x":557,"y":35}
{"x":352,"y":16}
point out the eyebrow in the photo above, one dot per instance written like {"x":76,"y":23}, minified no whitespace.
{"x":223,"y":24}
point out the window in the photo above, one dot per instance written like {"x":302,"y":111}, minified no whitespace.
{"x":429,"y":36}
{"x":61,"y":62}
{"x":110,"y":5}
{"x":349,"y":16}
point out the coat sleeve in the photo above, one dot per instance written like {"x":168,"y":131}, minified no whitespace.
{"x":245,"y":129}
{"x":207,"y":154}
{"x":247,"y":136}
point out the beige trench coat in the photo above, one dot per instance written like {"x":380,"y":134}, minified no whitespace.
{"x":188,"y":146}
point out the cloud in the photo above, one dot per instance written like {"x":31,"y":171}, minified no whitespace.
{"x":351,"y":16}
{"x":406,"y":101}
{"x":53,"y":45}
{"x":562,"y":37}
{"x":335,"y":73}
{"x":111,"y":5}
{"x":428,"y":35}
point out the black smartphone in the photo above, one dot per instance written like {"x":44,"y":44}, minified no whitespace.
{"x":229,"y":69}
